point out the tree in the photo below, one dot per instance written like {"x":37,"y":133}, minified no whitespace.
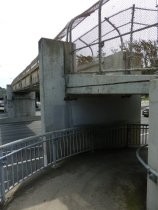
{"x":144,"y":52}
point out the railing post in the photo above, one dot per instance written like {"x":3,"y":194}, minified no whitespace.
{"x":45,"y":152}
{"x":131,"y":36}
{"x":54,"y":153}
{"x":128,"y":135}
{"x":92,"y":139}
{"x":100,"y":36}
{"x":2,"y":186}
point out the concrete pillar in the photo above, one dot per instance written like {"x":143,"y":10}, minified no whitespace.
{"x":20,"y":105}
{"x":152,"y":187}
{"x":53,"y":57}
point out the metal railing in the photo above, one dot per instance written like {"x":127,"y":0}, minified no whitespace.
{"x":21,"y":159}
{"x":128,"y":36}
{"x":153,"y":175}
{"x":121,"y":42}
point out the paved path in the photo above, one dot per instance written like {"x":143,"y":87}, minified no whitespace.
{"x":103,"y":180}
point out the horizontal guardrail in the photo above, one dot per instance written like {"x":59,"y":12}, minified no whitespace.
{"x":153,"y":175}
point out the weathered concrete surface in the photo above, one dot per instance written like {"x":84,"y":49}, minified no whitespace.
{"x":103,"y":180}
{"x":61,"y":111}
{"x":152,"y":188}
{"x":107,"y":84}
{"x":107,"y":109}
{"x":20,"y":105}
{"x":52,"y":85}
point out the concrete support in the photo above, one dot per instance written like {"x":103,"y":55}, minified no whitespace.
{"x":152,"y":187}
{"x":20,"y":105}
{"x":59,"y":110}
{"x":54,"y":114}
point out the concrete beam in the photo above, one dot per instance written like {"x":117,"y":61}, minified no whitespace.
{"x":105,"y":84}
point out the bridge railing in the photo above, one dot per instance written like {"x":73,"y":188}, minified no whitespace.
{"x":28,"y":77}
{"x":22,"y":159}
{"x":126,"y":40}
{"x":119,"y":42}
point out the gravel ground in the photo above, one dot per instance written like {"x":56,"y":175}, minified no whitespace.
{"x":102,"y":180}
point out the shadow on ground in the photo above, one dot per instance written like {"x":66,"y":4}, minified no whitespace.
{"x":102,"y":180}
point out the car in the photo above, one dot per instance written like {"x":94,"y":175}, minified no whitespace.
{"x":38,"y":105}
{"x":145,"y":112}
{"x":2,"y":105}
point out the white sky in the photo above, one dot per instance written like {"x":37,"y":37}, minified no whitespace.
{"x":24,"y":22}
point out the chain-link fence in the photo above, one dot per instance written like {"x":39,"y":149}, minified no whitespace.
{"x":123,"y":41}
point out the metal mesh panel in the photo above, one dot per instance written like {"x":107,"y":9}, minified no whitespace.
{"x":78,"y":19}
{"x":107,"y":42}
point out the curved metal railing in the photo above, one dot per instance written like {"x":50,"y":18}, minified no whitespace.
{"x":153,"y":175}
{"x":25,"y":157}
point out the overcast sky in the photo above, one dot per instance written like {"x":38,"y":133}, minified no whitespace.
{"x":24,"y":22}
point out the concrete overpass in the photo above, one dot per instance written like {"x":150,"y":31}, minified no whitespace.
{"x":81,"y":82}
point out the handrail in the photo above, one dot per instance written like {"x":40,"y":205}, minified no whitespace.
{"x":153,"y":175}
{"x":23,"y":158}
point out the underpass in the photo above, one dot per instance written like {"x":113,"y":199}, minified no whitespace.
{"x":108,"y":94}
{"x":99,"y":180}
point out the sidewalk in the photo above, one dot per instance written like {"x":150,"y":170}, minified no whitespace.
{"x":103,"y":180}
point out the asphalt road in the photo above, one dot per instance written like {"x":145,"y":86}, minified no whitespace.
{"x":14,"y":131}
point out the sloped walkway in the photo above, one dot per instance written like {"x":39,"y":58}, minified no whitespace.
{"x":102,"y":180}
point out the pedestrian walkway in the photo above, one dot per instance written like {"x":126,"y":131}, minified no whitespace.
{"x":102,"y":180}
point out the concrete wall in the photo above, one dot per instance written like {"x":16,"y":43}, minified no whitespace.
{"x":105,"y":109}
{"x":60,"y":111}
{"x":152,"y":187}
{"x":20,"y":105}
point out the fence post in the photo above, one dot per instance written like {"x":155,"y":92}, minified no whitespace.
{"x":131,"y":36}
{"x":2,"y":186}
{"x":54,"y":153}
{"x":128,"y":135}
{"x":92,"y":139}
{"x":45,"y":152}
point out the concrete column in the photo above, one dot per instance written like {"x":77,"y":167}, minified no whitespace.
{"x":20,"y":105}
{"x":54,"y":109}
{"x":9,"y":102}
{"x":152,"y":187}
